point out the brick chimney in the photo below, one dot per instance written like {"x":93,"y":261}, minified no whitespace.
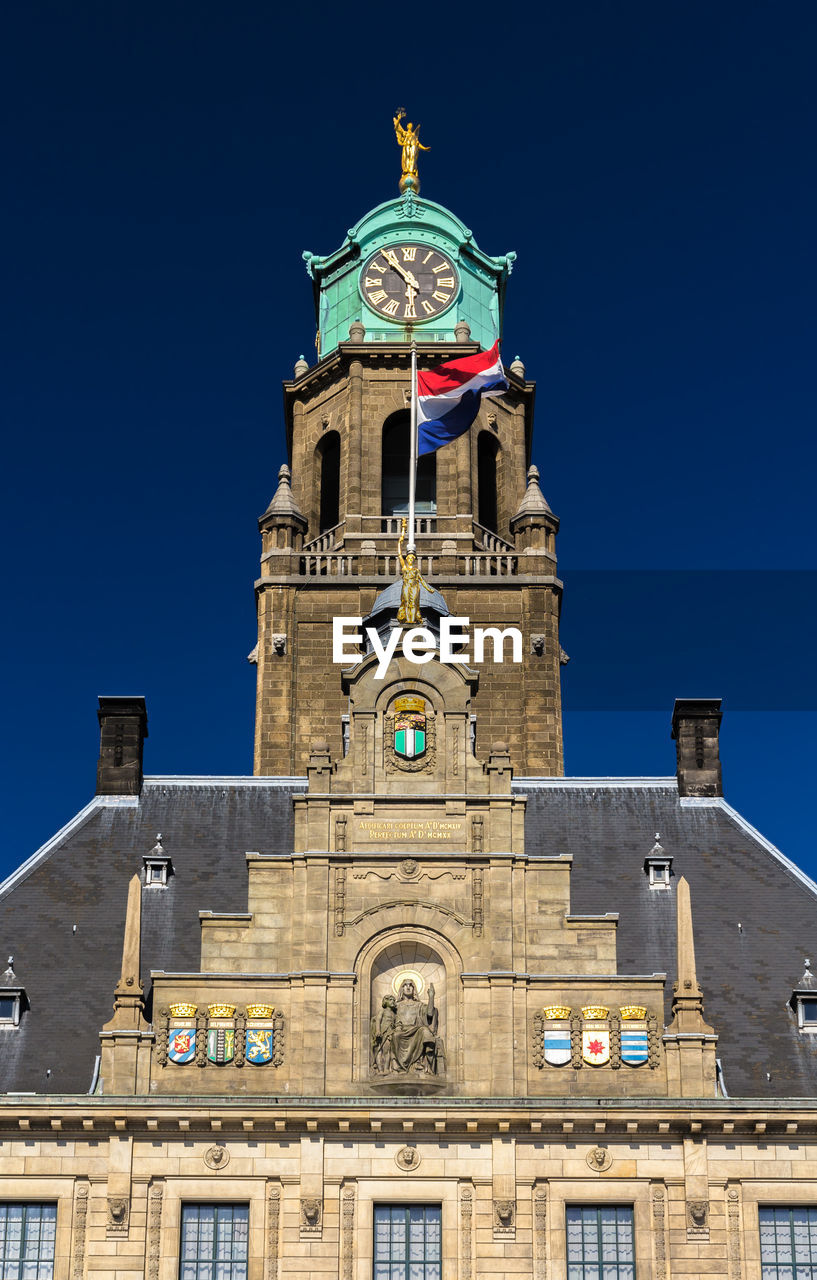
{"x":696,"y":724}
{"x":123,"y":727}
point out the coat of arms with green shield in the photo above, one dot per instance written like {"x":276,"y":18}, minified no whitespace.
{"x":410,"y":732}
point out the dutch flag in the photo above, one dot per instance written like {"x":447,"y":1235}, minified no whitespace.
{"x":448,"y":397}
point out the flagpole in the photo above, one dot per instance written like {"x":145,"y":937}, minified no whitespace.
{"x":412,"y":450}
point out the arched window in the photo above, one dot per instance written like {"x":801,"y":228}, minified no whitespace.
{"x":395,"y":474}
{"x":487,"y":478}
{"x":328,"y":469}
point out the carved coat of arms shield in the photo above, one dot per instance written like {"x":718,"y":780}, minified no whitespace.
{"x":596,"y":1046}
{"x":258,"y":1046}
{"x":410,"y":727}
{"x":259,"y":1038}
{"x":634,"y":1043}
{"x":181,"y":1044}
{"x":221,"y":1044}
{"x":556,"y":1048}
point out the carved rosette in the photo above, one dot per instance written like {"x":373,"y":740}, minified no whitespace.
{"x":278,"y":1039}
{"x":154,"y":1232}
{"x":538,"y":1040}
{"x":653,"y":1042}
{"x":576,"y":1041}
{"x":615,"y":1042}
{"x":161,"y":1025}
{"x":201,"y":1040}
{"x":426,"y":762}
{"x":240,"y":1039}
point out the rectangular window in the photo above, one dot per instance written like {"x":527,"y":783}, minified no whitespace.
{"x":600,"y":1243}
{"x":788,"y":1244}
{"x":214,"y":1242}
{"x":27,"y":1235}
{"x":407,"y":1242}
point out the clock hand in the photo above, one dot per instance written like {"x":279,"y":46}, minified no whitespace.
{"x":408,"y":276}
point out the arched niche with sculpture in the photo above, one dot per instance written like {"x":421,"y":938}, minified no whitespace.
{"x":409,"y":987}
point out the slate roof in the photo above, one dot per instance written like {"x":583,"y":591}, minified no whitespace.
{"x":608,"y":826}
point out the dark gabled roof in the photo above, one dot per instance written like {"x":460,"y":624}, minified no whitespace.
{"x":81,"y":879}
{"x":608,"y":826}
{"x":736,"y":879}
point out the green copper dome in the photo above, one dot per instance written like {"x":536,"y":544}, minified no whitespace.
{"x":475,"y":297}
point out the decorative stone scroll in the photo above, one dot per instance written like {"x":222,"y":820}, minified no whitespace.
{"x":540,"y":1212}
{"x":733,"y":1232}
{"x":347,"y":1233}
{"x":273,"y":1220}
{"x":466,"y":1224}
{"x":80,"y":1230}
{"x":154,"y":1232}
{"x":659,"y":1233}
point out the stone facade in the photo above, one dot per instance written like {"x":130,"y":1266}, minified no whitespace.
{"x":500,"y":577}
{"x":369,"y":984}
{"x":695,"y":1176}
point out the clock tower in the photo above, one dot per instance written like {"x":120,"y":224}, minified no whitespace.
{"x":409,"y":272}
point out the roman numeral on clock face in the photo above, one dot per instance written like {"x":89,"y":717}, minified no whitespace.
{"x":409,"y":283}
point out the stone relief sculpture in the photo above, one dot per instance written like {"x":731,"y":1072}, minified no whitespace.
{"x":404,"y":1033}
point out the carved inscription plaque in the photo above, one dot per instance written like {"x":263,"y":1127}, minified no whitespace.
{"x":417,"y":833}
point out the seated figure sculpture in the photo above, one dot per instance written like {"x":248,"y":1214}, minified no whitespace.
{"x":404,"y":1034}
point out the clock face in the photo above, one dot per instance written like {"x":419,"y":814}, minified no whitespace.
{"x":409,"y":283}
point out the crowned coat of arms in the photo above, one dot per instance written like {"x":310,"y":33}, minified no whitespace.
{"x":410,"y":737}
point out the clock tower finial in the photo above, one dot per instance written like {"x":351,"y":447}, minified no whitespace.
{"x":409,"y":139}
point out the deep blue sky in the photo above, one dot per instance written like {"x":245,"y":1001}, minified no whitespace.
{"x":164,"y":167}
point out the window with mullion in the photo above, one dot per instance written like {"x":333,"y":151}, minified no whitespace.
{"x":407,"y":1242}
{"x":788,"y":1243}
{"x":27,"y":1236}
{"x":600,"y":1242}
{"x":215,"y":1242}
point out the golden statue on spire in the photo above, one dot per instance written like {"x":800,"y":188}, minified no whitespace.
{"x":409,"y":139}
{"x":409,"y":611}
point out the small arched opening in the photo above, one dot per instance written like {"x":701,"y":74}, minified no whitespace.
{"x":327,"y":458}
{"x":487,"y":481}
{"x":395,"y":470}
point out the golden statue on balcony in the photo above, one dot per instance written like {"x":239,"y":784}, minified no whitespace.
{"x":409,"y":611}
